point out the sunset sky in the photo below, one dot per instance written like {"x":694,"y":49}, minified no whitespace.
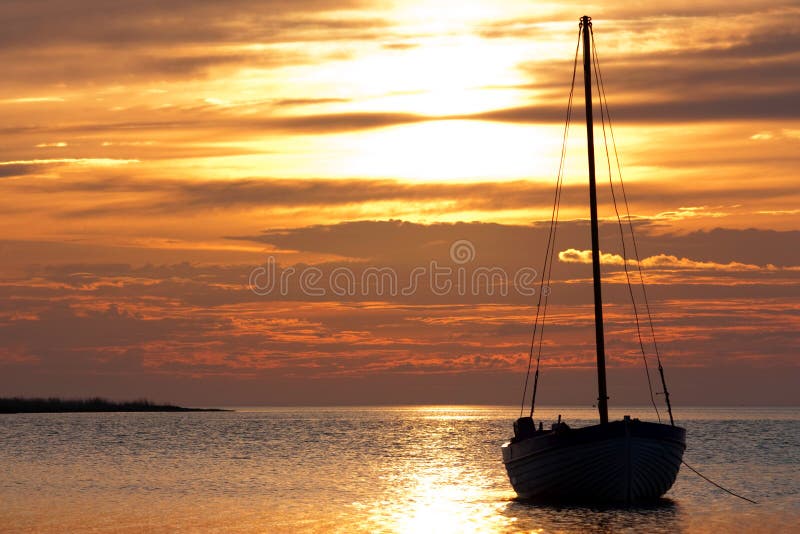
{"x":155,"y":153}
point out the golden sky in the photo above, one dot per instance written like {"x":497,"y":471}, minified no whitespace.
{"x":155,"y":153}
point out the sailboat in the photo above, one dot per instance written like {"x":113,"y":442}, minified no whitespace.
{"x":625,"y":461}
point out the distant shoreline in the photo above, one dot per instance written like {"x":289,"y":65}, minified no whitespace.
{"x":11,"y":405}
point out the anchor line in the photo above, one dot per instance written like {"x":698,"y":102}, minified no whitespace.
{"x":701,"y":475}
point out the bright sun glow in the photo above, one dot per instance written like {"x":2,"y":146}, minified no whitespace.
{"x":449,"y":150}
{"x":441,"y":507}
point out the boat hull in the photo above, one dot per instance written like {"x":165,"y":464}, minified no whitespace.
{"x":627,"y":461}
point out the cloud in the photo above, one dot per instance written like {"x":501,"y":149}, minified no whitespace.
{"x":214,"y":121}
{"x":141,"y":336}
{"x":132,"y":43}
{"x":585,"y":256}
{"x":170,"y":322}
{"x":183,"y":195}
{"x":39,"y":23}
{"x":781,"y":134}
{"x":501,"y":244}
{"x":337,"y":122}
{"x":308,"y":101}
{"x":127,"y":194}
{"x":72,"y":161}
{"x":19,"y":169}
{"x":667,"y":261}
{"x":632,"y":16}
{"x":739,"y":73}
{"x":779,"y":105}
{"x":401,"y":247}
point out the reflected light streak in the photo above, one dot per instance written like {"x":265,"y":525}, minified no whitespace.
{"x":436,"y":506}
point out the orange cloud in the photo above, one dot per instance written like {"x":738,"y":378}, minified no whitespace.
{"x":666,"y":261}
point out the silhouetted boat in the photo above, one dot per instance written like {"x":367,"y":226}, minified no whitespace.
{"x":625,"y":461}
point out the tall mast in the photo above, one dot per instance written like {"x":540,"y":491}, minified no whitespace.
{"x":602,"y":398}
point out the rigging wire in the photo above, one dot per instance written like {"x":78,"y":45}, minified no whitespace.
{"x":550,"y":253}
{"x":633,"y":237}
{"x":604,"y":111}
{"x":701,"y":475}
{"x":548,"y":259}
{"x":602,"y":99}
{"x":548,"y":275}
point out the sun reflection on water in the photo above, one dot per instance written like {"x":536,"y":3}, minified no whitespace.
{"x":434,"y":487}
{"x":435,"y":504}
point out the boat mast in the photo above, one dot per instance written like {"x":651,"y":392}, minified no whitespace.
{"x":602,"y":398}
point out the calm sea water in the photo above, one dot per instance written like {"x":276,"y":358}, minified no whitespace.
{"x":412,"y":469}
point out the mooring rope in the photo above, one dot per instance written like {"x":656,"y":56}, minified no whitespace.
{"x":701,"y":475}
